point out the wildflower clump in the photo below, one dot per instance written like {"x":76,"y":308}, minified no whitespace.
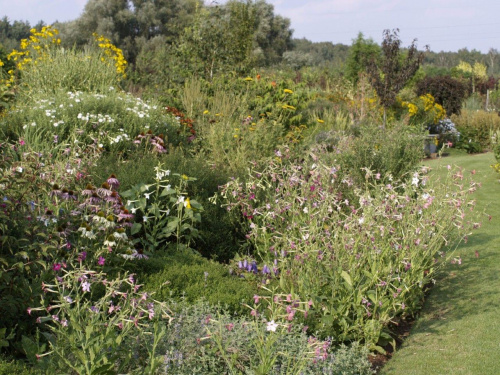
{"x":36,"y":47}
{"x":424,"y":109}
{"x":112,"y":54}
{"x":6,"y":85}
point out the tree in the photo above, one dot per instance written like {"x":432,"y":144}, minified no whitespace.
{"x":395,"y":69}
{"x":130,"y":24}
{"x":273,"y":35}
{"x":361,"y":54}
{"x":447,"y":91}
{"x":492,"y":58}
{"x":476,"y":73}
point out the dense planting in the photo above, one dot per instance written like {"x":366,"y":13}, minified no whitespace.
{"x":115,"y":210}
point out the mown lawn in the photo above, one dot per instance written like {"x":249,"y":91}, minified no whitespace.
{"x":458,"y":330}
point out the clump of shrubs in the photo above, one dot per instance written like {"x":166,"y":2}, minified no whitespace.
{"x":447,"y":91}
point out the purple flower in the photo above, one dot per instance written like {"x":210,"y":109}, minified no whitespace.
{"x":113,"y":182}
{"x":101,"y":261}
{"x":254,"y":267}
{"x":266,"y":270}
{"x":240,"y":264}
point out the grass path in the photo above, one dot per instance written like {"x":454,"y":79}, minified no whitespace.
{"x":458,"y":330}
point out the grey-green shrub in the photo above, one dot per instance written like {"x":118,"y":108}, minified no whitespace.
{"x":203,"y":340}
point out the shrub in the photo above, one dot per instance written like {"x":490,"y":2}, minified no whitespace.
{"x":189,"y":276}
{"x":396,"y":152}
{"x":111,"y":121}
{"x":218,"y":238}
{"x":362,"y":254}
{"x":115,"y":332}
{"x":447,"y":91}
{"x":223,"y":344}
{"x":12,"y":367}
{"x":476,"y":129}
{"x":31,"y":224}
{"x":45,"y":68}
{"x":424,"y":110}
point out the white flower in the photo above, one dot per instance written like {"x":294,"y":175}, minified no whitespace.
{"x":271,"y":326}
{"x":361,"y":220}
{"x":86,"y":286}
{"x":180,"y":199}
{"x":109,"y":243}
{"x":414,"y":181}
{"x":306,"y":210}
{"x":19,"y":169}
{"x":147,"y":195}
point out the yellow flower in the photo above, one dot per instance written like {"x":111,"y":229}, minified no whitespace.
{"x":412,"y":109}
{"x":187,"y":203}
{"x":320,"y":121}
{"x":286,"y":106}
{"x":206,"y":112}
{"x":248,"y":79}
{"x":288,"y":91}
{"x":184,"y":177}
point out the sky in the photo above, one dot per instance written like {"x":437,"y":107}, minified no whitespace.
{"x":443,"y":25}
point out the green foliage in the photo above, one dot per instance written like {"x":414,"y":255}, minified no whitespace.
{"x":108,"y":121}
{"x":225,"y":344}
{"x":13,"y":367}
{"x":26,"y":244}
{"x":113,"y":333}
{"x":83,"y":71}
{"x":189,"y":276}
{"x":476,"y":129}
{"x":166,"y":211}
{"x":220,"y":39}
{"x":361,"y":252}
{"x":396,"y":152}
{"x":446,"y":91}
{"x":130,"y":24}
{"x":324,"y":54}
{"x":219,"y":238}
{"x":361,"y":54}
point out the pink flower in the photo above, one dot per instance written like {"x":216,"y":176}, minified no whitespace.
{"x":256,"y":299}
{"x":21,"y":142}
{"x":56,"y":267}
{"x":86,"y":286}
{"x":101,"y":261}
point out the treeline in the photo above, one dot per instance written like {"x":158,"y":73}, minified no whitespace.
{"x":173,"y":39}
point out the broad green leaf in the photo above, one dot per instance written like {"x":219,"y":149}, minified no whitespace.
{"x":135,"y":228}
{"x":346,"y":277}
